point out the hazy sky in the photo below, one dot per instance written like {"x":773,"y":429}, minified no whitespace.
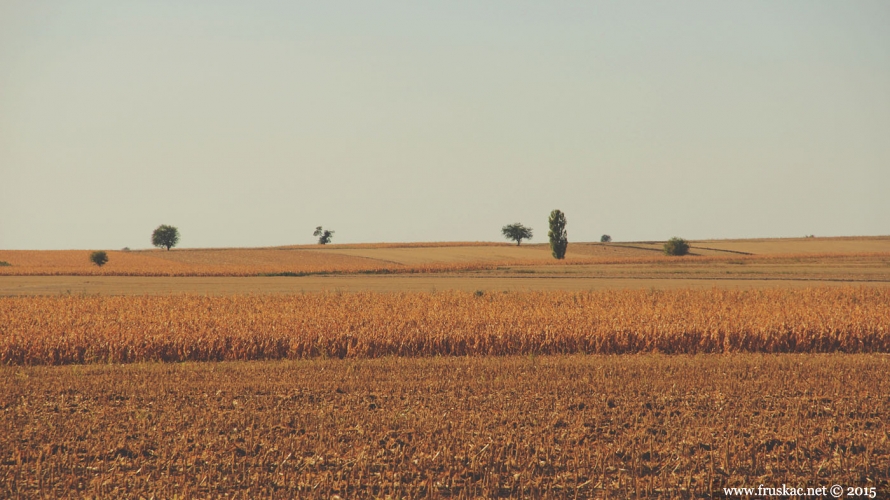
{"x":250,"y":123}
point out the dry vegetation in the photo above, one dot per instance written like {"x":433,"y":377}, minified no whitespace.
{"x":98,"y":329}
{"x":430,"y":399}
{"x":563,"y":427}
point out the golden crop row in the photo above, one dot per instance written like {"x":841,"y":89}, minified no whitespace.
{"x":97,"y":329}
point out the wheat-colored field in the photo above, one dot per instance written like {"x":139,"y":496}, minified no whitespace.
{"x":780,"y":246}
{"x":498,"y":254}
{"x":592,"y":259}
{"x":738,"y":272}
{"x":301,"y":260}
{"x":186,"y":262}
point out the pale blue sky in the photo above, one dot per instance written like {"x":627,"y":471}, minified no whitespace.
{"x":250,"y":123}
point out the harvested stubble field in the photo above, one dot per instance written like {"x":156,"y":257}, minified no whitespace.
{"x":648,"y":426}
{"x":175,"y":328}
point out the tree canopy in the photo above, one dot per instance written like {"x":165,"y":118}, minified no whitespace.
{"x":165,"y":236}
{"x":517,"y":232}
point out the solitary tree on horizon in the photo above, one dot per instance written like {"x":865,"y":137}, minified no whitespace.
{"x":559,"y":238}
{"x":165,"y":236}
{"x":517,"y":232}
{"x":324,"y":235}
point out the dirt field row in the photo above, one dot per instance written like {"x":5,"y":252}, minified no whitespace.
{"x":548,"y":427}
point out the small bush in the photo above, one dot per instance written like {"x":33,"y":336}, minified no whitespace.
{"x":676,"y":246}
{"x":605,"y":238}
{"x":99,"y":258}
{"x":3,"y":263}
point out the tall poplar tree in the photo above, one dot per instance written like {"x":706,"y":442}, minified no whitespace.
{"x":559,"y":239}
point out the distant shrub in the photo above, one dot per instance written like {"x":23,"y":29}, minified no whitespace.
{"x":676,"y":246}
{"x":605,"y":238}
{"x":3,"y":263}
{"x":99,"y":258}
{"x":125,"y":249}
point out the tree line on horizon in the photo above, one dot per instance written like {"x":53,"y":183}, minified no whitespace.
{"x":166,"y":236}
{"x":559,"y":237}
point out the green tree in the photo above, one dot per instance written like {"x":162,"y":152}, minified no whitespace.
{"x":324,"y":235}
{"x":517,"y":232}
{"x":99,"y":258}
{"x":559,"y":240}
{"x":676,"y":246}
{"x":605,"y":238}
{"x":165,"y":236}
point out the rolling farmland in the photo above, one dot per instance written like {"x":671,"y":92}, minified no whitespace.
{"x":435,"y":258}
{"x":446,"y":370}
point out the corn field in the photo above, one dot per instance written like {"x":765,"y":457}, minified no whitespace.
{"x":55,"y":330}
